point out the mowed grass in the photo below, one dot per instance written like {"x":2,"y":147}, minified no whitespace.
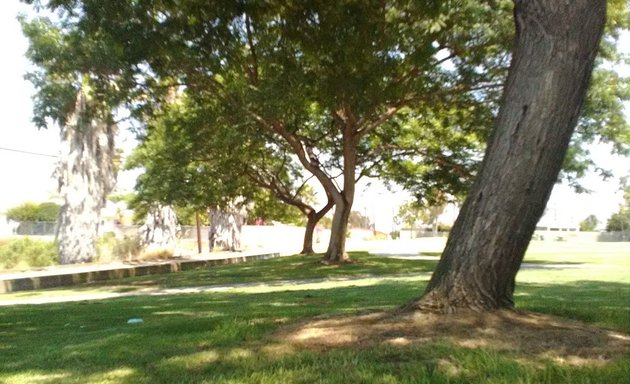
{"x":227,"y":337}
{"x":274,"y":270}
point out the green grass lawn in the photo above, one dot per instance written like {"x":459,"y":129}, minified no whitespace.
{"x":226,"y":337}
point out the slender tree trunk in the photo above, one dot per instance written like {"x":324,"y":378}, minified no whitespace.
{"x":556,"y":44}
{"x":86,"y":176}
{"x":307,"y":245}
{"x":312,"y":218}
{"x":336,"y":252}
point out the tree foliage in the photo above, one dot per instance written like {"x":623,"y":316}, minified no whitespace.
{"x":589,"y":223}
{"x":192,"y":157}
{"x":620,"y":221}
{"x":38,"y":212}
{"x":359,"y":220}
{"x":406,"y":90}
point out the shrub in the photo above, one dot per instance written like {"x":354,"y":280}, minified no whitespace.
{"x":27,"y":253}
{"x":379,"y":236}
{"x":42,"y":212}
{"x":111,"y":248}
{"x":127,"y":248}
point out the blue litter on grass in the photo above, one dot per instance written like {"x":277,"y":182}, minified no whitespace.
{"x":135,"y":320}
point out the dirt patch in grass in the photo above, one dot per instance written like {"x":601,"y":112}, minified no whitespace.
{"x":523,"y":335}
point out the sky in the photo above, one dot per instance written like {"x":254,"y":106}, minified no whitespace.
{"x":28,"y":176}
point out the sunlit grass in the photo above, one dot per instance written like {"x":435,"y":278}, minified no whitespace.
{"x":274,"y":270}
{"x":225,"y":336}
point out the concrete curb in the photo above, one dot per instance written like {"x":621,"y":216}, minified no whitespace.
{"x":52,"y":280}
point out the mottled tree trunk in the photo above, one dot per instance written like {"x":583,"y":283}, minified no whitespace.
{"x":158,"y":233}
{"x":556,"y":44}
{"x":225,"y":229}
{"x":86,"y":176}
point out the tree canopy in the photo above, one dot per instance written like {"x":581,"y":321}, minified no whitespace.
{"x":404,"y":90}
{"x":620,"y":220}
{"x":39,"y":212}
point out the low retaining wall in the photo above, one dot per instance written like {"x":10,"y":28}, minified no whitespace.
{"x":61,"y":279}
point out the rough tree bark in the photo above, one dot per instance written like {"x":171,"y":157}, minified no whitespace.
{"x":225,"y":229}
{"x":86,"y":175}
{"x":158,"y":233}
{"x":556,"y":44}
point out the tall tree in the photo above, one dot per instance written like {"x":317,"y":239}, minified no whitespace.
{"x":320,"y":78}
{"x":86,"y":176}
{"x":620,"y":220}
{"x":555,"y":48}
{"x":183,"y":167}
{"x":323,"y":79}
{"x":589,"y":223}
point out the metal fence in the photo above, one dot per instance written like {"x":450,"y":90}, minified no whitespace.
{"x":614,"y":236}
{"x":35,"y":228}
{"x":31,"y":228}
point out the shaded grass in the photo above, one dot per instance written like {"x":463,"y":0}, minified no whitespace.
{"x":223,"y":338}
{"x":283,"y":268}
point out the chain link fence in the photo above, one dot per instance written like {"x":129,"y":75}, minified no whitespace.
{"x":614,"y":236}
{"x":35,"y":228}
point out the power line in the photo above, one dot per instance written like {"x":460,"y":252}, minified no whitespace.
{"x":27,"y":152}
{"x":118,"y":157}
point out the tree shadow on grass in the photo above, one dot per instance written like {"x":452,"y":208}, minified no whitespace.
{"x":224,"y":337}
{"x":284,"y":268}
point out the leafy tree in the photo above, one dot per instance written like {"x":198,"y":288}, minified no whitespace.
{"x":183,"y":168}
{"x":42,"y":212}
{"x":358,"y":220}
{"x":413,"y":212}
{"x":589,"y":223}
{"x":321,"y":79}
{"x":86,"y":176}
{"x":620,"y":221}
{"x":335,"y":84}
{"x":542,"y":100}
{"x":409,"y":214}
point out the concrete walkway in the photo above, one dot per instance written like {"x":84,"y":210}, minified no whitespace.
{"x":63,"y":276}
{"x":255,"y":287}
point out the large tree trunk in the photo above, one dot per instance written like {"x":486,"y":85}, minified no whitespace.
{"x":86,"y":176}
{"x":556,"y":44}
{"x":158,"y":233}
{"x":225,"y":229}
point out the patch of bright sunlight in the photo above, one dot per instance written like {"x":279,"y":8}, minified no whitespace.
{"x":113,"y":376}
{"x":31,"y":377}
{"x":192,"y":361}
